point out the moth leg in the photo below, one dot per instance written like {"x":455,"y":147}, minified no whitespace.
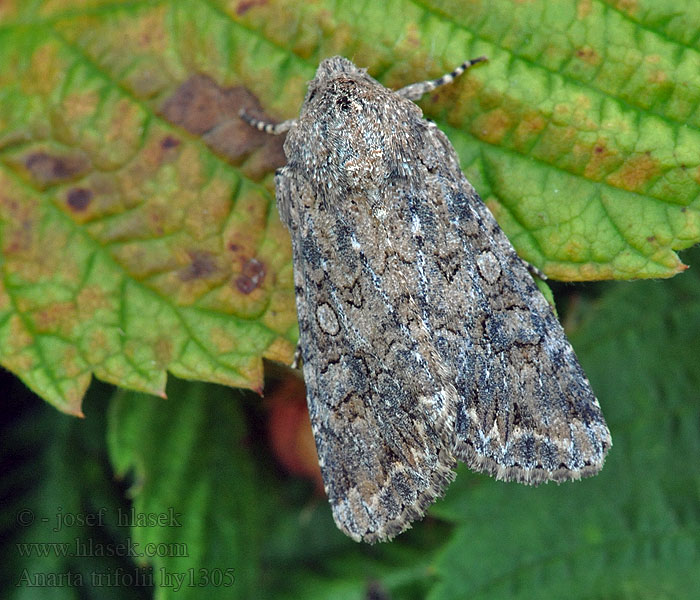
{"x":271,"y":128}
{"x":534,"y":271}
{"x":296,"y":361}
{"x":414,"y":91}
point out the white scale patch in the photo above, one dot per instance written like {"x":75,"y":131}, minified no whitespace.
{"x":327,"y":319}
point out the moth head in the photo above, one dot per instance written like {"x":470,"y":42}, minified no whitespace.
{"x":352,"y":131}
{"x":329,"y":70}
{"x":338,"y":66}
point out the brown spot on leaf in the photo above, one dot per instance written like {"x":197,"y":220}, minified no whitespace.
{"x":588,"y":55}
{"x":163,"y":350}
{"x":494,"y":125}
{"x":79,"y":198}
{"x":529,"y":126}
{"x":657,"y":76}
{"x":601,"y":161}
{"x":18,"y":220}
{"x":204,"y":108}
{"x":198,"y":105}
{"x":251,"y":277}
{"x":92,"y":298}
{"x":627,"y":6}
{"x":203,"y":264}
{"x":635,"y":173}
{"x":583,"y":9}
{"x":19,"y":238}
{"x":59,"y":317}
{"x":532,"y":124}
{"x":245,"y":5}
{"x":47,"y":169}
{"x":169,"y":142}
{"x":651,"y":239}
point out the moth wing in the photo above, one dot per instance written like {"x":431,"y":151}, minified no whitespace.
{"x":526,"y":410}
{"x":382,"y":419}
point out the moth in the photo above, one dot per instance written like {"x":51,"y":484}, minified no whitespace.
{"x":424,"y":337}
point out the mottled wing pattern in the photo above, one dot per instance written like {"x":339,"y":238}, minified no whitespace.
{"x":382,"y":419}
{"x":526,"y":410}
{"x":423,"y":336}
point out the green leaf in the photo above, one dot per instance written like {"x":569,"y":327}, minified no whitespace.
{"x":129,"y":245}
{"x":60,"y":505}
{"x":190,"y":460}
{"x":138,"y":234}
{"x":194,"y":489}
{"x":633,"y":531}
